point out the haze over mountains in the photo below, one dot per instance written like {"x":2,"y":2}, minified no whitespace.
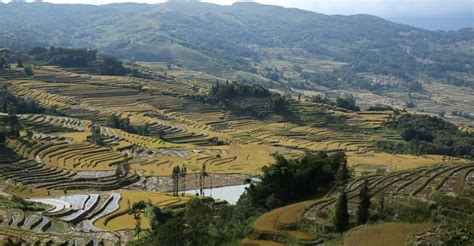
{"x":427,"y":14}
{"x":215,"y":38}
{"x":328,"y":129}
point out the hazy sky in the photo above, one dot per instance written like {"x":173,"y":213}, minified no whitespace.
{"x":384,"y":8}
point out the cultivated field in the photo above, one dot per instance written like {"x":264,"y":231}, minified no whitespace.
{"x":54,"y":161}
{"x":285,"y":224}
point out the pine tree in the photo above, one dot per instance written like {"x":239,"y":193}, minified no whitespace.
{"x":343,"y":175}
{"x":364,"y":203}
{"x":341,"y":218}
{"x":184,"y":172}
{"x":20,"y":62}
{"x":175,"y":176}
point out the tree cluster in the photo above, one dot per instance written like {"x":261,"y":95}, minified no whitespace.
{"x":430,"y":135}
{"x":81,"y":58}
{"x":202,"y":222}
{"x":380,"y":107}
{"x":9,"y":127}
{"x":115,"y":121}
{"x":111,"y":66}
{"x":64,"y":57}
{"x":347,"y":102}
{"x":250,"y":100}
{"x":293,"y":179}
{"x":17,"y":105}
{"x":231,"y":90}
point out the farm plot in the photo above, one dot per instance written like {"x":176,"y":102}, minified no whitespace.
{"x":43,"y":230}
{"x":34,"y":174}
{"x":184,"y":123}
{"x":387,"y":233}
{"x":72,"y":156}
{"x":80,"y":211}
{"x":420,"y":183}
{"x":282,"y":224}
{"x":120,"y":219}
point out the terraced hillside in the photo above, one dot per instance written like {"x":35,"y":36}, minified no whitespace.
{"x":38,"y":175}
{"x":293,"y":223}
{"x":79,"y":216}
{"x":176,"y":121}
{"x":67,"y":158}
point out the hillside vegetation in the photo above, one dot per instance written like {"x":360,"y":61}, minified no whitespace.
{"x":244,"y":37}
{"x":336,"y":127}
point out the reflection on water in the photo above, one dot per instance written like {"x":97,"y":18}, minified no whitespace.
{"x":229,"y":193}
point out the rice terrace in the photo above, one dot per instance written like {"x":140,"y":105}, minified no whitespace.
{"x":190,"y":123}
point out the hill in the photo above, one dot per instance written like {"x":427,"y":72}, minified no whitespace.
{"x":248,"y":37}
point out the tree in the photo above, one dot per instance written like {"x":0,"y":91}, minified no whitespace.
{"x":343,"y":174}
{"x":364,"y":203}
{"x":14,"y":125}
{"x":184,"y":172}
{"x":137,"y":209}
{"x":198,"y":216}
{"x":111,"y":66}
{"x":122,"y":170}
{"x":28,"y":71}
{"x":171,"y":233}
{"x":175,"y":176}
{"x":202,"y":176}
{"x":20,"y":62}
{"x":341,"y":218}
{"x":347,"y":102}
{"x":95,"y":136}
{"x":157,"y":217}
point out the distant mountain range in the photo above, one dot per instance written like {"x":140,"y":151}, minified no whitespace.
{"x":242,"y":37}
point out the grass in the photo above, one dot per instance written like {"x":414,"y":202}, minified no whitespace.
{"x":386,"y":234}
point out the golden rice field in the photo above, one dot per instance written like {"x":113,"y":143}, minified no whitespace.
{"x":273,"y":223}
{"x":190,"y":124}
{"x":370,"y":161}
{"x":31,"y":192}
{"x":120,"y":219}
{"x":184,"y":132}
{"x":417,"y":183}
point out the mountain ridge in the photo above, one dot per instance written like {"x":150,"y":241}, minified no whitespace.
{"x":220,"y":39}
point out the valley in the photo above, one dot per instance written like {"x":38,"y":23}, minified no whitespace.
{"x":191,"y":123}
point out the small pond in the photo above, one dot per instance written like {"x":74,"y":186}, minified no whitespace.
{"x":229,"y":193}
